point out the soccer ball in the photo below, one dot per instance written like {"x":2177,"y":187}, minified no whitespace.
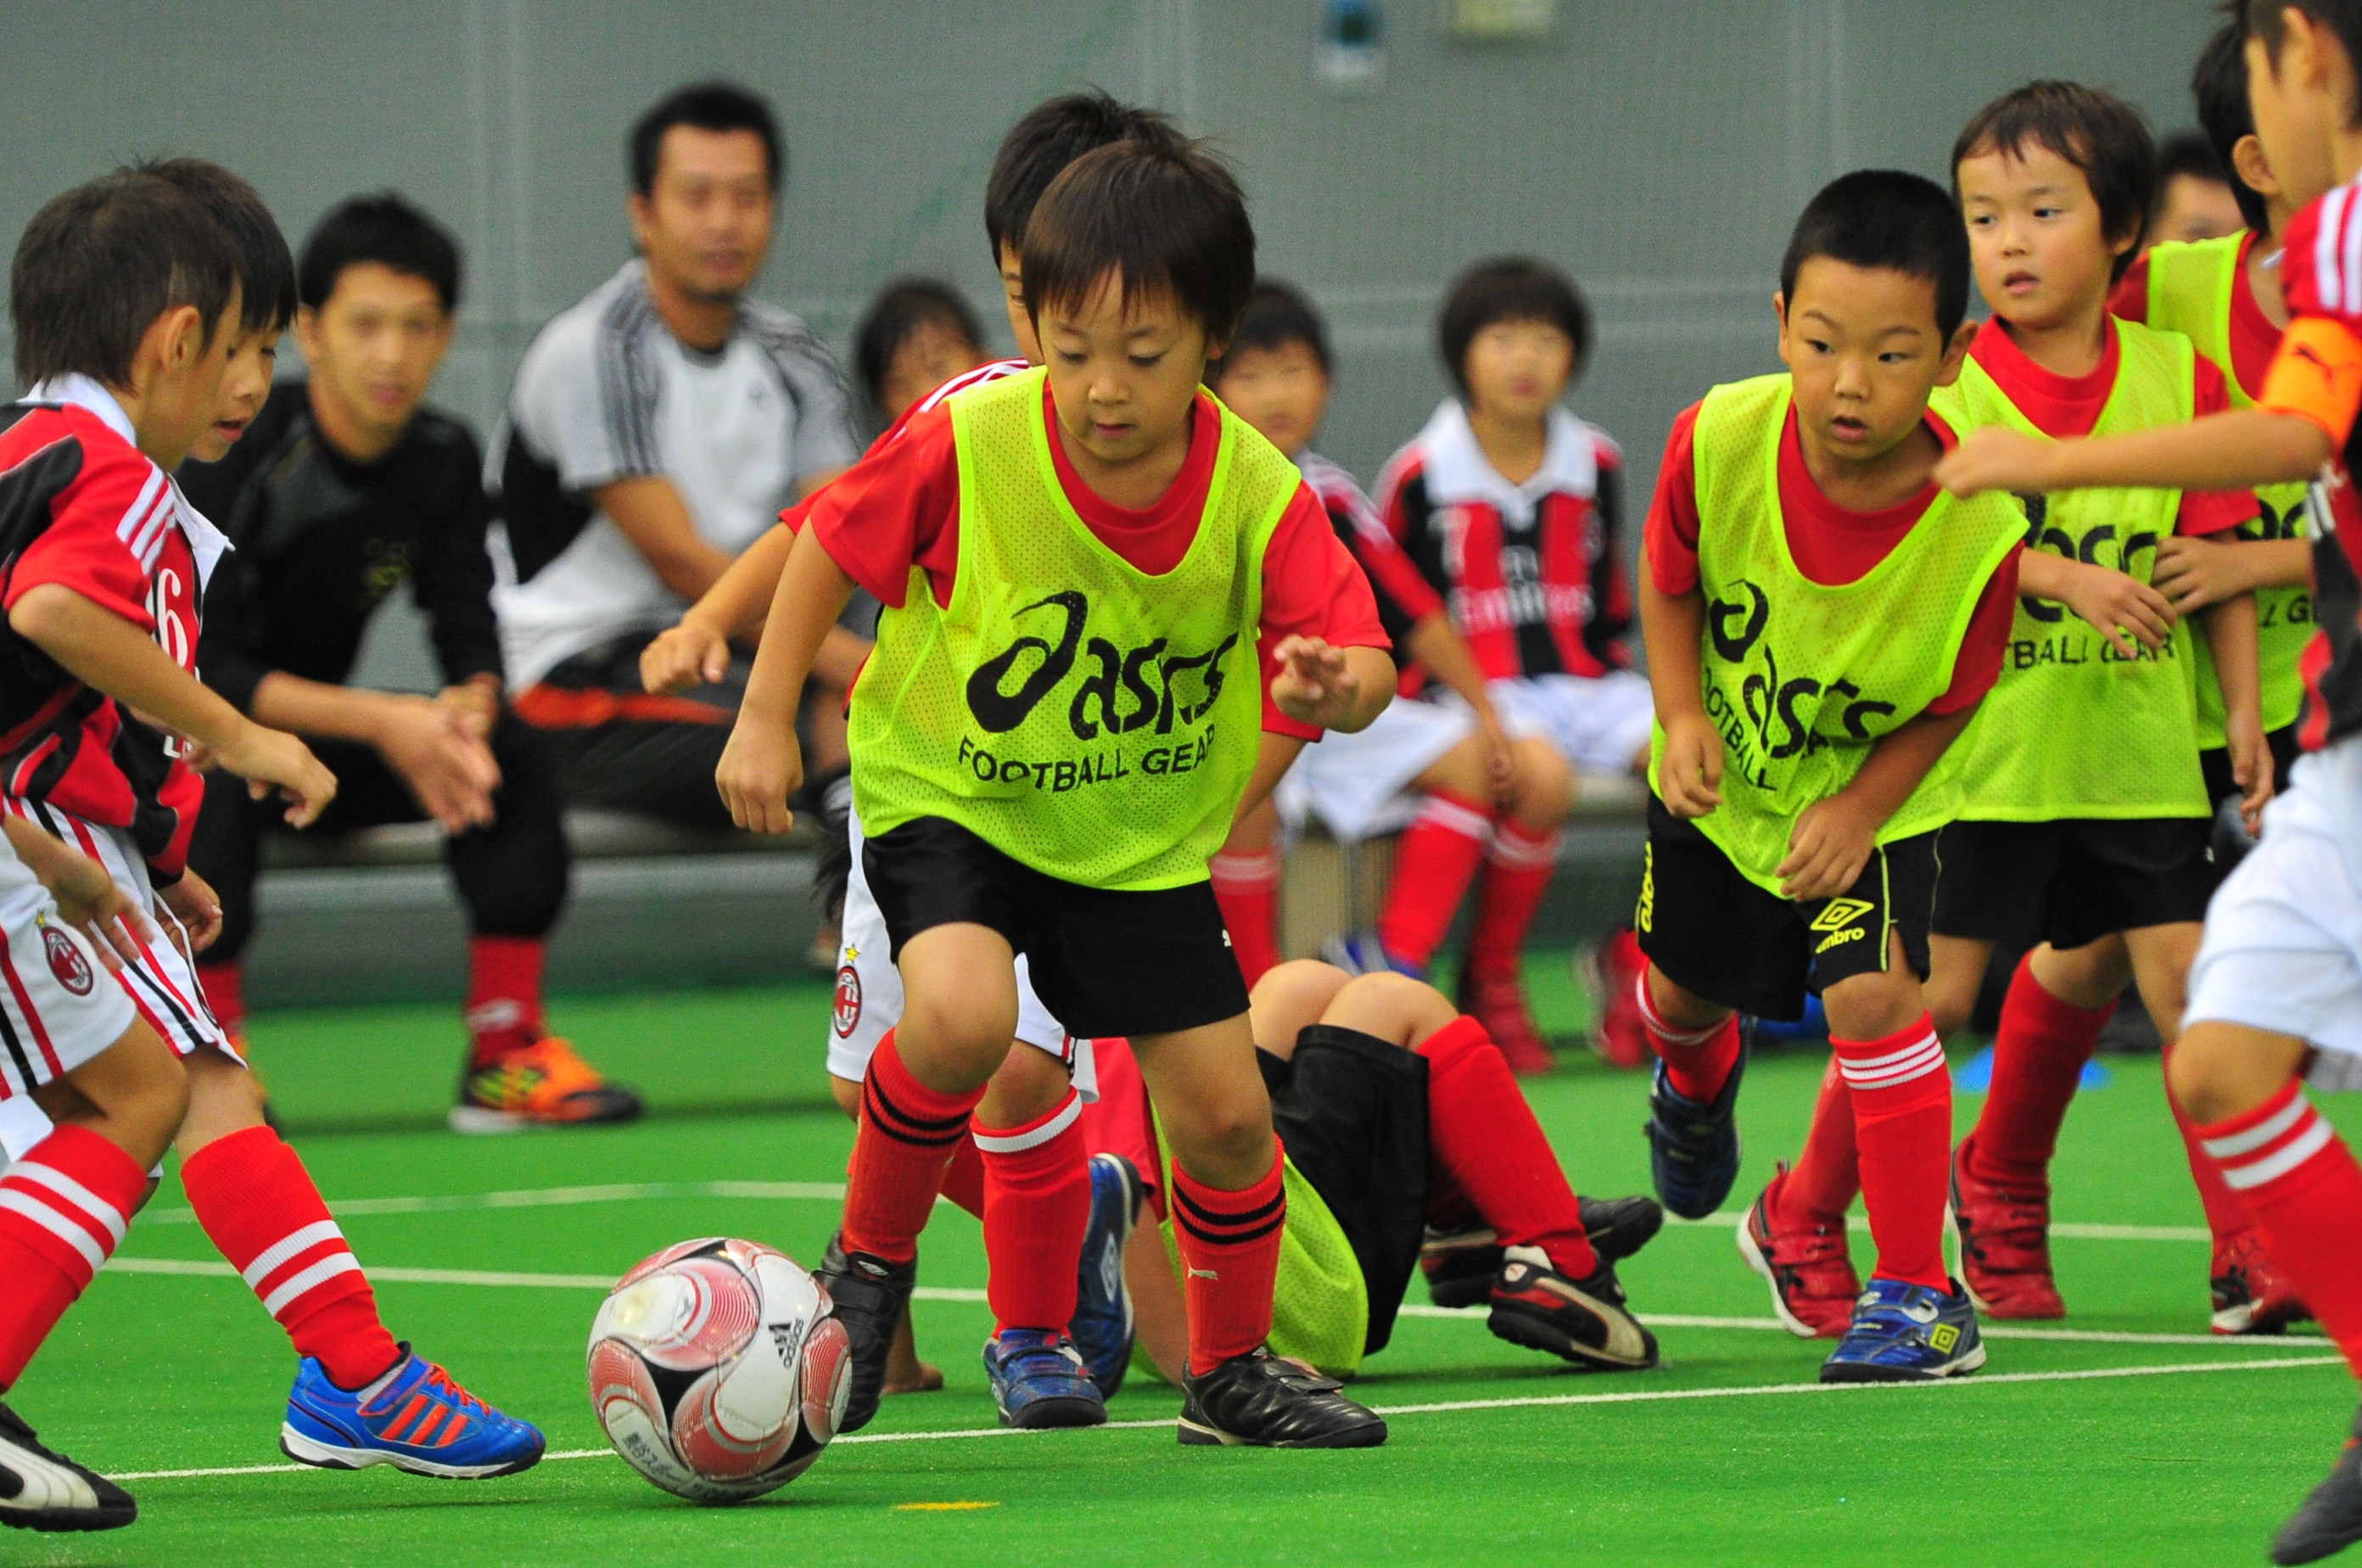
{"x":718,"y":1369}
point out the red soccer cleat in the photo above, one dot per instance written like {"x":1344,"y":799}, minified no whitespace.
{"x":2005,"y":1244}
{"x":1499,"y":1004}
{"x":1612,"y":971}
{"x":2251,"y":1296}
{"x":1810,"y":1270}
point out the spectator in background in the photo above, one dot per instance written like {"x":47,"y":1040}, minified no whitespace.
{"x":654,"y":430}
{"x":343,"y":488}
{"x":2193,"y":193}
{"x":916,"y":335}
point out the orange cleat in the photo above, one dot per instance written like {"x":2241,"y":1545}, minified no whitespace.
{"x":544,"y":1084}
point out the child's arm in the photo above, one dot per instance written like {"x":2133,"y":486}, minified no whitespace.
{"x":2117,"y":606}
{"x":762,"y":765}
{"x":1431,"y":641}
{"x":2230,"y":629}
{"x":1832,"y":840}
{"x":1160,"y":1315}
{"x":104,"y":651}
{"x":697,"y":650}
{"x":1689,"y":778}
{"x":2197,"y":571}
{"x":88,"y":898}
{"x":1338,"y":688}
{"x":1274,"y":754}
{"x":2223,"y":451}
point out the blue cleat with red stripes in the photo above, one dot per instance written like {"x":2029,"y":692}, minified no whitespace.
{"x":414,"y":1417}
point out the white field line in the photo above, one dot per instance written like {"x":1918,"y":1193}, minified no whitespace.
{"x":831,"y":1191}
{"x":1454,"y":1407}
{"x":214,"y":1269}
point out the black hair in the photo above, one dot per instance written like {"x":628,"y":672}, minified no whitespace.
{"x":1052,"y":135}
{"x":2261,"y":19}
{"x":1277,"y":314}
{"x":2090,"y":127}
{"x":2219,"y":83}
{"x":900,"y":308}
{"x":266,"y":273}
{"x":99,"y":263}
{"x":1510,"y":288}
{"x":1887,"y":219}
{"x":385,"y":230}
{"x":710,"y":107}
{"x":1162,"y":219}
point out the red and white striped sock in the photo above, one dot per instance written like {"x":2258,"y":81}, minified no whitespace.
{"x":2301,"y":1187}
{"x":63,"y":1210}
{"x":1037,"y":1204}
{"x":1698,"y":1060}
{"x":256,"y":1201}
{"x":1246,"y":886}
{"x":1438,"y":857}
{"x":1903,"y":1126}
{"x":1518,"y":871}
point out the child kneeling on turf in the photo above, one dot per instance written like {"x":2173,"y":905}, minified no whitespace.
{"x":1089,"y":573}
{"x":1821,"y":623}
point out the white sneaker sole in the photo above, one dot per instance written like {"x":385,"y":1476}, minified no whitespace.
{"x":327,"y":1456}
{"x":477,"y":1121}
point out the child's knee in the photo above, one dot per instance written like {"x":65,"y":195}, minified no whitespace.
{"x":1226,"y":1145}
{"x":1545,"y":785}
{"x":1873,"y":1006}
{"x":2218,"y":1071}
{"x":1680,"y":1006}
{"x":1390,"y":1007}
{"x":1028,"y":1085}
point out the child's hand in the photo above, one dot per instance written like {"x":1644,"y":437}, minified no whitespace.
{"x":1500,"y":756}
{"x":1315,"y":685}
{"x":2251,"y":766}
{"x":690,"y":653}
{"x":2115,"y":605}
{"x":198,"y":909}
{"x":1995,"y":458}
{"x":1689,"y":780}
{"x":761,"y":767}
{"x":1828,"y":850}
{"x":265,"y":758}
{"x":96,"y":905}
{"x":2194,"y":573}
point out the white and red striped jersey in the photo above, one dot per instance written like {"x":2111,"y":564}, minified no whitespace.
{"x":2321,"y":276}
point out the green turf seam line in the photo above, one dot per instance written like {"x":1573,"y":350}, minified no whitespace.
{"x":1448,"y":1406}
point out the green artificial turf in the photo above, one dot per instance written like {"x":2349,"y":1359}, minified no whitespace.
{"x":165,"y":1372}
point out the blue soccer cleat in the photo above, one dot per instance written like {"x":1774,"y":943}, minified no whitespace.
{"x":1360,"y":953}
{"x":416,"y":1420}
{"x":1102,"y":1325}
{"x":1039,"y":1380}
{"x":1694,"y":1148}
{"x":1907,"y":1334}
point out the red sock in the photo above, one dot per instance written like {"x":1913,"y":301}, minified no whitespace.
{"x":63,"y":1210}
{"x":2039,"y":1056}
{"x":1822,"y":1183}
{"x":504,"y":995}
{"x":1698,"y":1060}
{"x":1230,"y":1253}
{"x":1037,"y":1204}
{"x":1434,"y":862}
{"x":964,"y":1178}
{"x":225,"y":988}
{"x":257,"y":1201}
{"x":2226,"y":1217}
{"x":1902,"y":1095}
{"x":1485,"y":1141}
{"x":1516,"y":874}
{"x":1247,"y":887}
{"x":906,"y":1135}
{"x":2300,"y":1185}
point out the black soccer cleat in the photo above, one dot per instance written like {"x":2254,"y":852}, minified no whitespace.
{"x":1461,"y":1266}
{"x":1582,"y":1320}
{"x":2331,"y":1519}
{"x":1260,"y":1400}
{"x":44,"y":1490}
{"x":1618,"y":1227}
{"x":871,"y":1296}
{"x":1694,"y":1148}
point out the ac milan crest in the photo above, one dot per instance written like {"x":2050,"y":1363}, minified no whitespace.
{"x":848,"y":1001}
{"x":67,"y":962}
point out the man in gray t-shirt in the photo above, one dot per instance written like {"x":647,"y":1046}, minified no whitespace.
{"x":654,"y":430}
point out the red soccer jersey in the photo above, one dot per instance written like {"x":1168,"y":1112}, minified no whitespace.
{"x":1531,"y":574}
{"x":899,"y":508}
{"x":2254,"y":338}
{"x":1829,"y":544}
{"x":84,"y":510}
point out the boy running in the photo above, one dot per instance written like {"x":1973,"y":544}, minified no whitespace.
{"x":1089,"y":573}
{"x":1822,"y":624}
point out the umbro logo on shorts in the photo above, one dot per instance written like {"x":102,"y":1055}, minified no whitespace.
{"x":1841,"y":912}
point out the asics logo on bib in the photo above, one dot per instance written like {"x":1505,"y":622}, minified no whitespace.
{"x":1772,"y":728}
{"x":1131,"y":688}
{"x":2091,"y":550}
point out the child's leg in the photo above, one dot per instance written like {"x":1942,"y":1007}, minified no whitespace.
{"x":1519,"y":863}
{"x":1439,"y":855}
{"x":1822,"y":1184}
{"x":1696,"y":1039}
{"x":1037,"y":1190}
{"x":1902,"y":1095}
{"x":1955,"y":969}
{"x":2058,"y":1002}
{"x":1246,"y":872}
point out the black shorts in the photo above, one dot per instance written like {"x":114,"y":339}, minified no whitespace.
{"x":1717,"y":935}
{"x":2074,"y":881}
{"x":2216,"y":764}
{"x":1103,"y":962}
{"x":1351,"y":1109}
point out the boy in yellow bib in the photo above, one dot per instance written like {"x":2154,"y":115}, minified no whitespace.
{"x":1822,"y":624}
{"x":1092,"y":576}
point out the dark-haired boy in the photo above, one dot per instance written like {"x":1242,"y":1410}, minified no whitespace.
{"x":1056,"y":729}
{"x":915,"y":334}
{"x":343,"y":487}
{"x":1501,"y":516}
{"x":2197,"y":196}
{"x":1822,"y":624}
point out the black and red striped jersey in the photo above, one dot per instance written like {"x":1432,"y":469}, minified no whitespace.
{"x":1355,"y":518}
{"x":1531,"y":574}
{"x":2322,"y":276}
{"x":81,"y":507}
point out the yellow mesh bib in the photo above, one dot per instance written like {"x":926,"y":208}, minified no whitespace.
{"x":1804,"y":677}
{"x":2191,"y":287}
{"x":1083,"y":717}
{"x":2075,"y":729}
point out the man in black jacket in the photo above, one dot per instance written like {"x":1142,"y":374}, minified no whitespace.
{"x":342,"y":488}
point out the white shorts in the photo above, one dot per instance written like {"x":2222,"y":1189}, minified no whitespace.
{"x":58,"y":1006}
{"x":1599,"y":726}
{"x":1359,"y":785}
{"x":870,"y":992}
{"x":2283,"y":946}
